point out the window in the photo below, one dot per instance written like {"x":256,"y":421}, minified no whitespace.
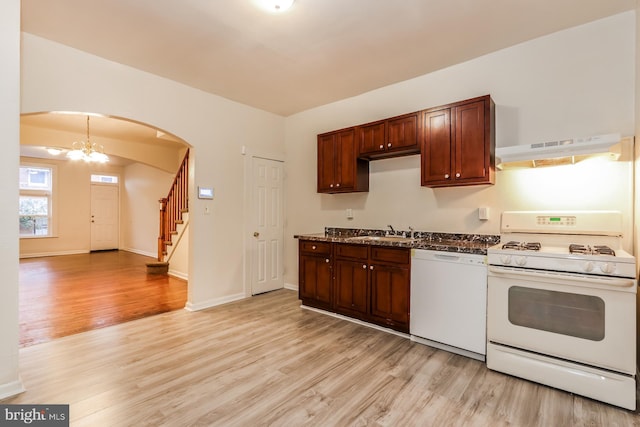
{"x":35,"y":204}
{"x":104,"y":179}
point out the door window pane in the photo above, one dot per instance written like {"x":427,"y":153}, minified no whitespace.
{"x":575,"y":315}
{"x":105,"y":179}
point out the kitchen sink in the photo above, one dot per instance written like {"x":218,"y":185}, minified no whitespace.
{"x":383,"y":239}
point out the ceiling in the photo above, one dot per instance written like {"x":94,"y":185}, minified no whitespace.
{"x":318,"y":52}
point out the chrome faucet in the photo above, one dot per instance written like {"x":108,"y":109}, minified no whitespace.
{"x":392,"y":230}
{"x":412,"y":232}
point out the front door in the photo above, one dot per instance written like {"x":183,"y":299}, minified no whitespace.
{"x":267,"y":250}
{"x":104,"y":217}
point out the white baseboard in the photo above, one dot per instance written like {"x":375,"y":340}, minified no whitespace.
{"x":291,"y":287}
{"x":11,"y":389}
{"x":139,"y":252}
{"x":178,"y":274}
{"x":213,"y":302}
{"x":43,"y":254}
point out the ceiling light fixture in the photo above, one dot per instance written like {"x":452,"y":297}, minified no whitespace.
{"x":54,"y":151}
{"x":276,"y":5}
{"x":88,"y":151}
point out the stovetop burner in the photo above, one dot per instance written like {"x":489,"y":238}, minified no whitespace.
{"x":522,"y":246}
{"x":588,"y":250}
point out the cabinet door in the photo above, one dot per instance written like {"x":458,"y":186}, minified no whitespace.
{"x":371,"y":138}
{"x":471,"y":148}
{"x":315,"y":281}
{"x":351,"y":279}
{"x":402,"y":133}
{"x":326,"y":162}
{"x":390,"y":296}
{"x":436,"y":147}
{"x":345,"y":160}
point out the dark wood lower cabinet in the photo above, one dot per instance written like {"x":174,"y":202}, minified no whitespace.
{"x":390,"y":296}
{"x":315,"y":274}
{"x":370,"y":283}
{"x":351,"y":283}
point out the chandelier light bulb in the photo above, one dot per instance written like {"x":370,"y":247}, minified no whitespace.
{"x":88,"y":151}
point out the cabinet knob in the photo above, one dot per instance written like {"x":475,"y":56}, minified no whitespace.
{"x":381,"y":146}
{"x":389,"y":145}
{"x":364,"y":266}
{"x":326,"y":260}
{"x":314,"y":247}
{"x":331,"y":185}
{"x":371,"y":267}
{"x":458,"y":175}
{"x":446,"y":176}
{"x":338,"y":185}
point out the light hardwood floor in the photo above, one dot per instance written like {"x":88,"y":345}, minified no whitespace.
{"x":64,"y":295}
{"x":266,"y":361}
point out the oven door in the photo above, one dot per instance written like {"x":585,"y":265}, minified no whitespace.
{"x":590,"y":320}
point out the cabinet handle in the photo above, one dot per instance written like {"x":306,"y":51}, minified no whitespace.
{"x":389,"y":145}
{"x":326,"y":260}
{"x":331,"y":185}
{"x":338,"y":185}
{"x":446,"y":176}
{"x":371,"y":267}
{"x":313,"y":247}
{"x":364,"y":266}
{"x":458,"y":175}
{"x":381,"y":146}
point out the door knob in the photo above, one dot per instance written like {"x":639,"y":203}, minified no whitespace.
{"x":256,"y":234}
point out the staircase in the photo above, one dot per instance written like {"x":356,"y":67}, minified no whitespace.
{"x":174,"y":218}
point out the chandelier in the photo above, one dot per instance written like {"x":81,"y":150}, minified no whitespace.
{"x":88,"y":151}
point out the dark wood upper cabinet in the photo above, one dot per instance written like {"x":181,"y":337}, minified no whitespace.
{"x":339,"y":170}
{"x":397,"y":136}
{"x":458,"y":144}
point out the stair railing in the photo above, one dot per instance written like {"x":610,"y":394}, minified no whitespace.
{"x":172,"y":207}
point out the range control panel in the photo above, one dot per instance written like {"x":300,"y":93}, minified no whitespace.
{"x":604,"y":223}
{"x":559,"y":221}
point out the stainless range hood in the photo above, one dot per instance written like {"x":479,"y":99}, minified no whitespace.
{"x":563,"y":152}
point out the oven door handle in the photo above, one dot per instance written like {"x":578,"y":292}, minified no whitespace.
{"x":607,"y":281}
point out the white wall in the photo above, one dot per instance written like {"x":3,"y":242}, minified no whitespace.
{"x":577,"y":82}
{"x":143,"y":187}
{"x":10,"y":130}
{"x":56,"y":77}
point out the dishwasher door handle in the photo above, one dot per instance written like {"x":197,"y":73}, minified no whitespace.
{"x":447,"y":257}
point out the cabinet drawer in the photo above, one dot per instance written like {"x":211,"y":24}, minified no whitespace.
{"x":392,"y":255}
{"x":313,"y":247}
{"x":352,"y":251}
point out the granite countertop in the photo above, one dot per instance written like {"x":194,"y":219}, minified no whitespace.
{"x":446,"y":242}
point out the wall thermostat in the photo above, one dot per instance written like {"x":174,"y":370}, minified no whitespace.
{"x":205,"y":193}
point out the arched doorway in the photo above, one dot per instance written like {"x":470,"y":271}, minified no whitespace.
{"x":143,"y":160}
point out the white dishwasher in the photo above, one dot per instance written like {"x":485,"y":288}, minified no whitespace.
{"x":449,"y":301}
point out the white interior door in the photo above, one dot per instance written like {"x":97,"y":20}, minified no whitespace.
{"x":105,"y":226}
{"x":267,"y":262}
